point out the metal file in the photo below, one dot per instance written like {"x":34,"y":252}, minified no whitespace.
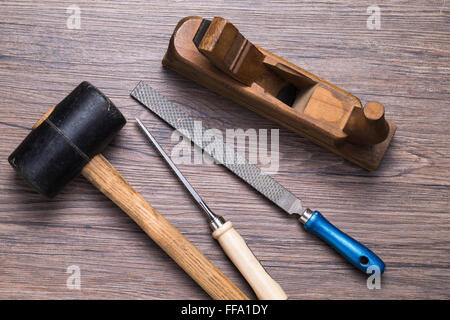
{"x":240,"y":166}
{"x":356,"y":253}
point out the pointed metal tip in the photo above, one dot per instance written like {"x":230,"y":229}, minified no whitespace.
{"x":139,"y":122}
{"x":133,"y":92}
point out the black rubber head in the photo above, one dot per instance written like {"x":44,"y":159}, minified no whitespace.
{"x":79,"y":128}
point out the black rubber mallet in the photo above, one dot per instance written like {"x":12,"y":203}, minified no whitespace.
{"x":68,"y":141}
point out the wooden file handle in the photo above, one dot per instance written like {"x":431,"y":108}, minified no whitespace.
{"x":243,"y":258}
{"x":108,"y":180}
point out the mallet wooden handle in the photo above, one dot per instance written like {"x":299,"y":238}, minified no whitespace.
{"x":109,"y":181}
{"x":243,"y":258}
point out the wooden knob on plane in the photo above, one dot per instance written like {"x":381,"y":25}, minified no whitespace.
{"x":367,"y":126}
{"x":374,"y":111}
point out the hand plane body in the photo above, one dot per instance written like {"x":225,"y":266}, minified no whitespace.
{"x":216,"y":55}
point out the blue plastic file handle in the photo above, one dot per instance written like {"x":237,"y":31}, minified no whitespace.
{"x":356,"y":253}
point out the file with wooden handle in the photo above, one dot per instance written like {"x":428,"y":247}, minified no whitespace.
{"x":243,"y":258}
{"x":229,"y":239}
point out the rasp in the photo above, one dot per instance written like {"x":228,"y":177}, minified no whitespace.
{"x":355,"y":252}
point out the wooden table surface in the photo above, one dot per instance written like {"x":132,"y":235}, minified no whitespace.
{"x":401,"y":210}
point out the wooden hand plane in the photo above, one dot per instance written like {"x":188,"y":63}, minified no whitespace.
{"x":214,"y":54}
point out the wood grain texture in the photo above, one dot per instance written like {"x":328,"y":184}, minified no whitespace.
{"x":401,"y":211}
{"x":110,"y":182}
{"x":235,"y":247}
{"x":326,"y":118}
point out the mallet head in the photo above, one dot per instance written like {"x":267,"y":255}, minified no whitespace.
{"x":56,"y":151}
